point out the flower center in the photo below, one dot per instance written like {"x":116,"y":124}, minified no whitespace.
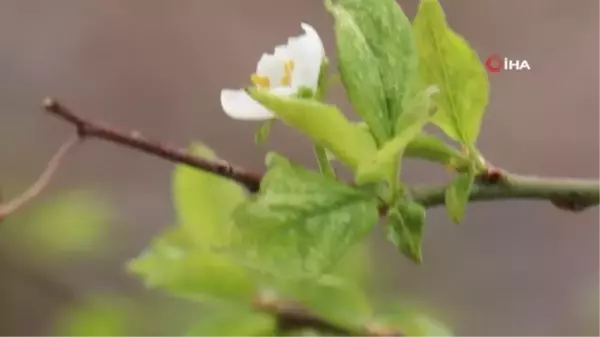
{"x":263,"y":82}
{"x":288,"y":68}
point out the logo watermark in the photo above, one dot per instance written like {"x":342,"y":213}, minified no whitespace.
{"x":496,"y":64}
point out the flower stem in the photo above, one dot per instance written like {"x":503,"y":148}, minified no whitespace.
{"x":323,"y":161}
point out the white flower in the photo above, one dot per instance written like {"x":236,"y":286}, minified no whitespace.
{"x":291,"y":67}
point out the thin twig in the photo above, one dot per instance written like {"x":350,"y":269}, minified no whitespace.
{"x":36,"y":188}
{"x":135,"y":140}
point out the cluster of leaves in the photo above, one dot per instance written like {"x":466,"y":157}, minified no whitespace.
{"x":290,"y":239}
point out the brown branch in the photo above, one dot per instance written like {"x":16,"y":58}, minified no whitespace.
{"x":133,"y":139}
{"x":291,"y":316}
{"x":44,"y":179}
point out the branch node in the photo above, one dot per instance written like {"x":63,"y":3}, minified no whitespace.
{"x":570,"y":204}
{"x":492,"y":176}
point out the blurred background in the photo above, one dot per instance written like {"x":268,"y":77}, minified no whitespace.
{"x":512,"y":268}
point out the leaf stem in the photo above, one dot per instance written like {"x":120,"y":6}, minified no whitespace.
{"x":323,"y":161}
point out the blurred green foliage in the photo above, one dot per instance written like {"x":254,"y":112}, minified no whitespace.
{"x":68,"y":225}
{"x":99,"y":316}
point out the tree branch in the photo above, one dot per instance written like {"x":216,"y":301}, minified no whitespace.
{"x":567,"y":194}
{"x":135,"y":140}
{"x":36,"y":188}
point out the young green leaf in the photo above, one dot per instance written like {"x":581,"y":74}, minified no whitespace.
{"x":416,"y":108}
{"x":96,"y":316}
{"x":335,"y":300}
{"x":457,"y":195}
{"x":405,"y":224}
{"x":354,"y":267}
{"x":263,"y":132}
{"x":175,"y":263}
{"x":388,"y":33}
{"x":324,"y":83}
{"x":429,"y":147}
{"x":324,"y":124}
{"x":408,"y":125}
{"x":235,"y":322}
{"x":67,"y":226}
{"x":204,"y":201}
{"x":301,"y":223}
{"x":448,"y":61}
{"x":360,"y":73}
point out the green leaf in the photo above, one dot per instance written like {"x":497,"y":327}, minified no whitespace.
{"x":457,"y":195}
{"x":235,"y":322}
{"x":263,"y":132}
{"x":273,"y":159}
{"x":176,"y":264}
{"x":354,"y":267}
{"x":71,"y":224}
{"x":333,"y":299}
{"x":388,"y":33}
{"x":324,"y":124}
{"x":429,"y":147}
{"x":414,"y":323}
{"x":95,"y":317}
{"x":405,"y":228}
{"x":324,"y":84}
{"x":409,"y":125}
{"x":447,"y":60}
{"x":302,"y":223}
{"x":417,"y":109}
{"x":204,"y":202}
{"x":360,"y":73}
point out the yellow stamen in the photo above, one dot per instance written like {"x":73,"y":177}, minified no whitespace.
{"x":261,"y":82}
{"x":288,"y":68}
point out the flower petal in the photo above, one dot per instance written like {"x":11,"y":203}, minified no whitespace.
{"x":238,"y":104}
{"x":308,"y":53}
{"x":272,"y":67}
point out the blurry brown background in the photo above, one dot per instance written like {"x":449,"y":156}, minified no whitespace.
{"x":512,"y":267}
